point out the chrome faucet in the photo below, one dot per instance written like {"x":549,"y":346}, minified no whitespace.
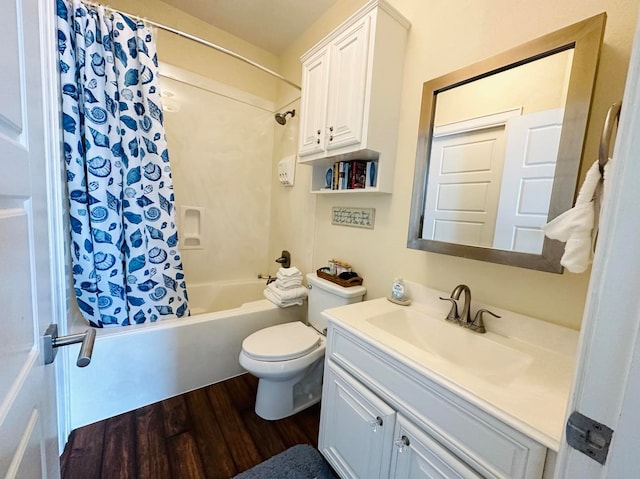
{"x":464,"y":319}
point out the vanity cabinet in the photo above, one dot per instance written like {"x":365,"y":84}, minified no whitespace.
{"x":359,"y":427}
{"x":350,"y":104}
{"x":382,"y":418}
{"x":363,"y":437}
{"x":417,"y":456}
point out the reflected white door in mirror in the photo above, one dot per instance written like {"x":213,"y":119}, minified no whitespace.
{"x":490,"y":180}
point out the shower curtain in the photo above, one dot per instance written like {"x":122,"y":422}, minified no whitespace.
{"x":126,"y":263}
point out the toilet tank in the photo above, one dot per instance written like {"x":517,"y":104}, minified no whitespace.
{"x":325,"y":294}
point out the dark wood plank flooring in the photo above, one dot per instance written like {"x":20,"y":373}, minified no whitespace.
{"x":209,"y":433}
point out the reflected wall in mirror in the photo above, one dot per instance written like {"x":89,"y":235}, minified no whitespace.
{"x":499,"y":149}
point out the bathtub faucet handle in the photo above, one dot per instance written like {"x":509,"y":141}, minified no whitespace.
{"x":270,"y":279}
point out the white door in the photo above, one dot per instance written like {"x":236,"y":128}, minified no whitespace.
{"x":28,"y":429}
{"x":527,"y":180}
{"x":465,"y":172}
{"x":607,"y":387}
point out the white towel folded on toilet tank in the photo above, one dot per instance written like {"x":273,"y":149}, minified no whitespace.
{"x":278,"y":302}
{"x":288,"y":283}
{"x":293,"y":294}
{"x":285,"y":273}
{"x":576,"y":227}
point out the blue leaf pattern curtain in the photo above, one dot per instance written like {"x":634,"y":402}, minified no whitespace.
{"x":126,"y":263}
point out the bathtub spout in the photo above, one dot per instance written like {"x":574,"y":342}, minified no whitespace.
{"x":284,"y":259}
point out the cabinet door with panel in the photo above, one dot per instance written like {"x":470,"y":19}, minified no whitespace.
{"x":356,"y":428}
{"x":315,"y":84}
{"x":418,"y":456}
{"x":348,"y":79}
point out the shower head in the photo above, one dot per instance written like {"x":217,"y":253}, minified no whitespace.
{"x":281,"y":118}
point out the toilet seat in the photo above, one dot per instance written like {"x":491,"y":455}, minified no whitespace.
{"x":282,"y":342}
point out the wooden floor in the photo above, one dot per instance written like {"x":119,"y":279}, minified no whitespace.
{"x":212,"y":432}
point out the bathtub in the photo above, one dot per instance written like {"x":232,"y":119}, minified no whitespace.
{"x":137,"y":365}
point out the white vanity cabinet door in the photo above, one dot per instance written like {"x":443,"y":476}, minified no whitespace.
{"x":417,"y":456}
{"x":356,"y":428}
{"x":347,"y":86}
{"x":315,"y":85}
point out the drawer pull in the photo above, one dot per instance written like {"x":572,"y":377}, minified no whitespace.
{"x":402,"y":443}
{"x":376,"y":423}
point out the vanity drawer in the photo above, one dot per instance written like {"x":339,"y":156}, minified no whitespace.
{"x":491,"y":447}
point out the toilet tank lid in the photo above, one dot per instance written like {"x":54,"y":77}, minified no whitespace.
{"x":333,"y":288}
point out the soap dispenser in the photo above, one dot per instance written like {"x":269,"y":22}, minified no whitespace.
{"x":397,"y":289}
{"x":398,"y":293}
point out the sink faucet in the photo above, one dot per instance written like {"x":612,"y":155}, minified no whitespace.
{"x":464,"y":319}
{"x":466,"y":309}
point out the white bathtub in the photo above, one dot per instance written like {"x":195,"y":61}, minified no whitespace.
{"x":137,"y":365}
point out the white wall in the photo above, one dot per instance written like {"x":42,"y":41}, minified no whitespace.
{"x":221,"y":144}
{"x":292,"y":208}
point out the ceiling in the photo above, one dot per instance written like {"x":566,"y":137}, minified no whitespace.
{"x":269,"y":24}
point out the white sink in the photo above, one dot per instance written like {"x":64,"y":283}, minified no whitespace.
{"x":520,"y":370}
{"x":475,"y":353}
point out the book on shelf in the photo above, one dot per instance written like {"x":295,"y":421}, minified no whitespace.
{"x":353,"y":174}
{"x":358,"y":174}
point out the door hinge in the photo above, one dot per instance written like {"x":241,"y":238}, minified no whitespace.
{"x":588,"y":436}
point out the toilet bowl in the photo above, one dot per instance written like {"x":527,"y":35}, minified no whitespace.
{"x":288,"y":359}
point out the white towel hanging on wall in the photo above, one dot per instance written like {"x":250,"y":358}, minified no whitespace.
{"x":577,"y":227}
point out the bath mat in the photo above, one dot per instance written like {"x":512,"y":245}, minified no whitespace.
{"x":297,"y":462}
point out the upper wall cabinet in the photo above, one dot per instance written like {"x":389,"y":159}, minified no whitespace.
{"x":350,"y":106}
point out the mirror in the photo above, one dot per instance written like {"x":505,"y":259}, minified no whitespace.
{"x":499,"y":150}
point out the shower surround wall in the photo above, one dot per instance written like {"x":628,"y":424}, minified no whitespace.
{"x":221,"y":146}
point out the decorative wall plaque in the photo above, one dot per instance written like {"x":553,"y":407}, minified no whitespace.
{"x":357,"y":217}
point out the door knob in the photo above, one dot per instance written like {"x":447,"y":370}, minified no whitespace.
{"x":52,"y":341}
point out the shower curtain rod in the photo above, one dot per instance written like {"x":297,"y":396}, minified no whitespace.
{"x":180,"y":33}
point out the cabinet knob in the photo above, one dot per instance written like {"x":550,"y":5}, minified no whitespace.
{"x":402,"y":443}
{"x":318,"y":141}
{"x":376,"y":423}
{"x":330,"y":128}
{"x":319,"y":132}
{"x":331,"y":138}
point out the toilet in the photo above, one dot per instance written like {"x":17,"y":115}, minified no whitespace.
{"x":288,"y":359}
